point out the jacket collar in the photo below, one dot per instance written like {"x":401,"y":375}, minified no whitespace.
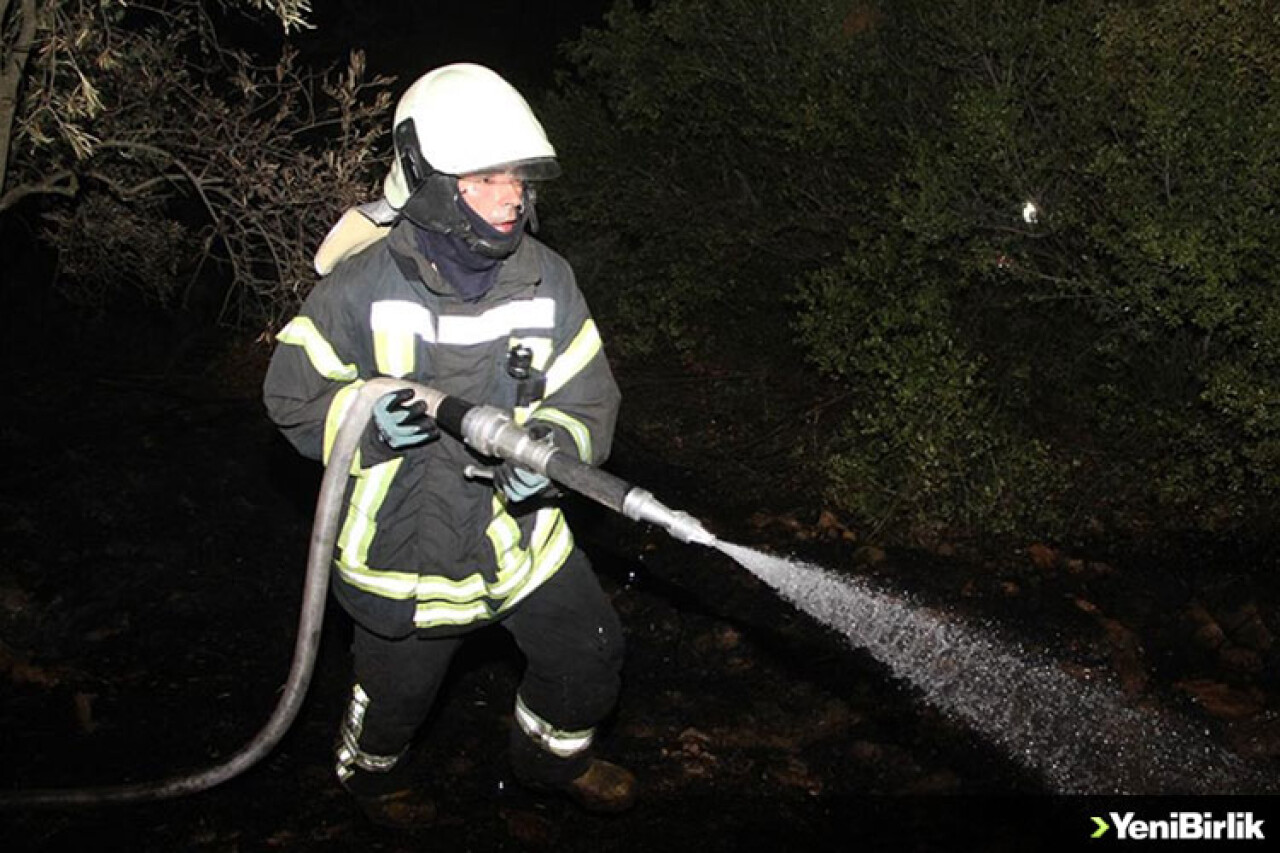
{"x":519,"y":270}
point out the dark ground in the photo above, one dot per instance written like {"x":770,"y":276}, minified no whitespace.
{"x":155,"y":530}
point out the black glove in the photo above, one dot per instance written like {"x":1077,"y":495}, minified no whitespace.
{"x":401,"y":427}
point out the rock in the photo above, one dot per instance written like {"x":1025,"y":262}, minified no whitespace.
{"x":694,"y":743}
{"x":1124,"y":649}
{"x":1246,"y":627}
{"x":1206,"y":632}
{"x":794,"y":773}
{"x":866,"y":752}
{"x":1086,"y":605}
{"x":696,"y":757}
{"x":14,"y":601}
{"x":529,"y":828}
{"x":1241,"y":660}
{"x":788,"y":522}
{"x":1100,"y":570}
{"x":727,"y":637}
{"x":22,"y":671}
{"x":1042,"y":556}
{"x":938,"y":782}
{"x":84,"y":712}
{"x":1221,"y":700}
{"x":1256,"y":737}
{"x":1126,"y":656}
{"x":869,"y":555}
{"x":832,"y":528}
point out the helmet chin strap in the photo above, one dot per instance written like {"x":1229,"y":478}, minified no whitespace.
{"x":529,"y":208}
{"x":437,"y":206}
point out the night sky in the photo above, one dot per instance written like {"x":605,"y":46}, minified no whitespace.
{"x":517,"y":38}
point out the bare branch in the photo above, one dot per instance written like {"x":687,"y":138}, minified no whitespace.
{"x":126,"y":108}
{"x":138,"y":190}
{"x":62,"y":183}
{"x":292,"y":13}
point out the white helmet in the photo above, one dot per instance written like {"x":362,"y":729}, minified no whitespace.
{"x":462,"y":119}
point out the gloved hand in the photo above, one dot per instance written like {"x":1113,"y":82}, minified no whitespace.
{"x":519,"y":483}
{"x":401,"y":427}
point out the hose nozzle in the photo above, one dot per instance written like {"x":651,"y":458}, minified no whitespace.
{"x":641,"y":505}
{"x":492,"y":432}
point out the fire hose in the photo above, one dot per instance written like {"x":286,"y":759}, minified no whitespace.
{"x":488,"y":431}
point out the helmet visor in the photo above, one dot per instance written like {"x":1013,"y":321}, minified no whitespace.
{"x":540,"y":169}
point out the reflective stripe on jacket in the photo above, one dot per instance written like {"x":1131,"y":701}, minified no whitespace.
{"x":422,"y":547}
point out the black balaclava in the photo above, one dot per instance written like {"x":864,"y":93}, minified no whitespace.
{"x":471,"y":273}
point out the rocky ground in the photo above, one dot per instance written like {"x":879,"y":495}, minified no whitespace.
{"x":154,"y":538}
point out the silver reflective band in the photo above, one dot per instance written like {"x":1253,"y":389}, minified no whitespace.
{"x":563,"y":744}
{"x":350,"y":756}
{"x":403,"y":318}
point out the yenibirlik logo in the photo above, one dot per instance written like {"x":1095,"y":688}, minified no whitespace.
{"x":1182,"y":826}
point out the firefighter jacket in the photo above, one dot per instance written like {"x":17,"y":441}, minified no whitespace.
{"x":422,"y":547}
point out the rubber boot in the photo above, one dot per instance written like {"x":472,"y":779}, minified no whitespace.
{"x":391,"y":799}
{"x":598,"y":786}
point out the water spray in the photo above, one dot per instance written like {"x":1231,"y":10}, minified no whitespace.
{"x":487,"y":430}
{"x":1080,"y":737}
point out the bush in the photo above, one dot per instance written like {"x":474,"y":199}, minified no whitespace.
{"x":926,"y":448}
{"x":714,"y":153}
{"x":1033,"y":239}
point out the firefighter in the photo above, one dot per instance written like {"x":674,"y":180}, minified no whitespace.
{"x":440,"y":284}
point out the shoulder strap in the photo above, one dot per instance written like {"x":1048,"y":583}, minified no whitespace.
{"x":357,"y":229}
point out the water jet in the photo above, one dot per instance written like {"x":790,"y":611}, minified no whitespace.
{"x":1081,"y":737}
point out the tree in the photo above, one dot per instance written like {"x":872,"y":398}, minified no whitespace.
{"x":713,"y":149}
{"x":1119,"y":335}
{"x":156,"y":147}
{"x":57,"y":30}
{"x":1032,"y":239}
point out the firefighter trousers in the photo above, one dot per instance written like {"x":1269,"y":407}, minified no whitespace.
{"x":572,"y":642}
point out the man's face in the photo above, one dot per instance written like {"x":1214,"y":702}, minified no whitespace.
{"x":497,"y":197}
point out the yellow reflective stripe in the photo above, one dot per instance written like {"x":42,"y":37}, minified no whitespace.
{"x":361,"y":524}
{"x":436,"y":613}
{"x":396,"y":585}
{"x":556,"y":543}
{"x":444,"y":601}
{"x":466,"y":590}
{"x":396,"y":327}
{"x":301,"y":332}
{"x":544,"y":526}
{"x":550,"y":549}
{"x":504,"y":535}
{"x":338,"y":408}
{"x":575,"y":357}
{"x":393,"y":354}
{"x":577,"y":429}
{"x":549,"y":526}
